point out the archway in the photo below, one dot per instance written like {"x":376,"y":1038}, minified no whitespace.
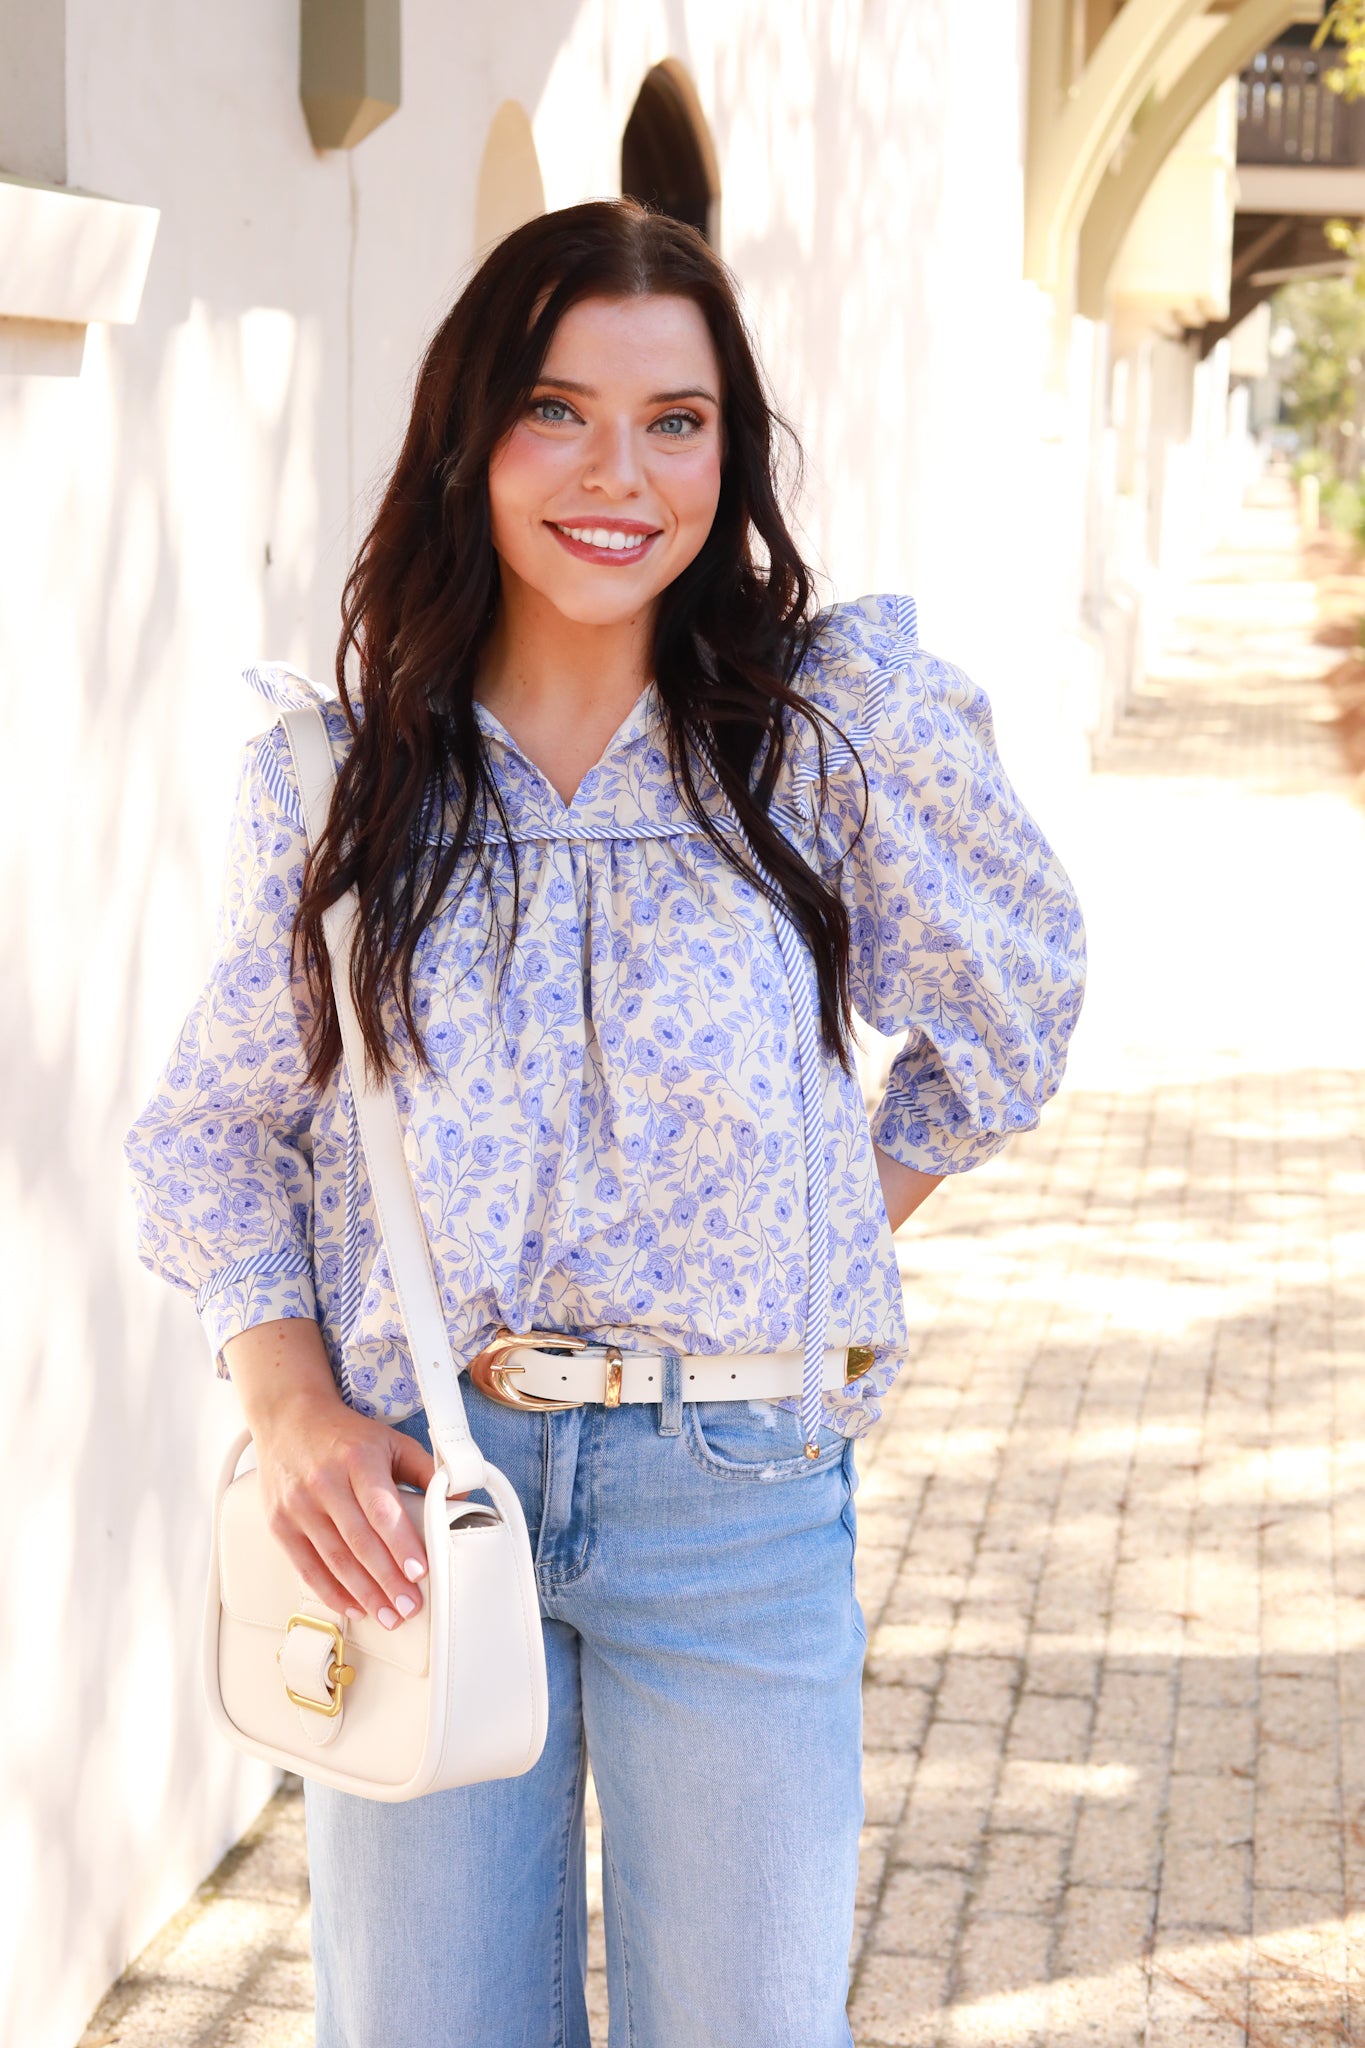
{"x":667,"y":160}
{"x":510,"y":190}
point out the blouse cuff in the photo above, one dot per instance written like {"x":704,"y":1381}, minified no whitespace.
{"x":270,"y":1287}
{"x":923,"y":1125}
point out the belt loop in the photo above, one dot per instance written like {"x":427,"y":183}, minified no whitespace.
{"x":670,"y":1408}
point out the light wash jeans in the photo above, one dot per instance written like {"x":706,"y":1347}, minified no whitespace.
{"x":705,"y":1648}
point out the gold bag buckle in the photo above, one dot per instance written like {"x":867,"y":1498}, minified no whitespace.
{"x":339,"y":1673}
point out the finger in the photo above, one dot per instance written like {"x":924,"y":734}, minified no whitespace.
{"x":337,"y":1556}
{"x":393,"y":1547}
{"x":321,"y":1583}
{"x":412,"y":1466}
{"x":399,"y":1595}
{"x":410,"y":1463}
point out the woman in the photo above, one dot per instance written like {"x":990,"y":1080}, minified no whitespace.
{"x":635,"y":832}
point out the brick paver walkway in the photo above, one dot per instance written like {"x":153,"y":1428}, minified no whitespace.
{"x":1112,"y":1532}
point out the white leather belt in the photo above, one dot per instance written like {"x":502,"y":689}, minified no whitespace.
{"x":524,"y":1373}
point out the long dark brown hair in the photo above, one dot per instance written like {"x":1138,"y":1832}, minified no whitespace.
{"x":415,"y":793}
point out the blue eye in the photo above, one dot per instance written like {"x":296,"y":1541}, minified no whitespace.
{"x":559,"y":406}
{"x":676,"y":425}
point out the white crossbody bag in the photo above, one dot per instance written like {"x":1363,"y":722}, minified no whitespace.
{"x":457,"y":1694}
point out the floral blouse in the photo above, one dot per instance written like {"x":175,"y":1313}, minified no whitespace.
{"x":611,"y":1141}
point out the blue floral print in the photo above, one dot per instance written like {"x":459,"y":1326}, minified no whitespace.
{"x":610,"y":1140}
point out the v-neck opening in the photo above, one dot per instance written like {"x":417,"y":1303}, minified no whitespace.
{"x":632,"y":727}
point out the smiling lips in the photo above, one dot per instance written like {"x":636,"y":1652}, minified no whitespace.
{"x":619,"y":543}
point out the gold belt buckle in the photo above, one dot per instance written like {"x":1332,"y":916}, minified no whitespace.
{"x":490,"y":1375}
{"x":857,"y":1360}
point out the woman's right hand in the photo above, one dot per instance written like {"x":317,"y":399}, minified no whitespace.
{"x":329,"y":1478}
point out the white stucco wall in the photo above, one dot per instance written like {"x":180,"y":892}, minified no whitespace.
{"x":188,"y":503}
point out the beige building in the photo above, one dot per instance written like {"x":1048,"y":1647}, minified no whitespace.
{"x":972,"y":278}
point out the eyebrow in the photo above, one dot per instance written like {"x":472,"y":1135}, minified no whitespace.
{"x":655,"y":397}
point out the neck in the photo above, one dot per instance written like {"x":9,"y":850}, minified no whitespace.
{"x":559,"y":687}
{"x":537,"y":661}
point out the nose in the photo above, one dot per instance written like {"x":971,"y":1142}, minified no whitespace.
{"x":613,"y":460}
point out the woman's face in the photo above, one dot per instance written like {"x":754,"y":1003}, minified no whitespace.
{"x":605,"y":488}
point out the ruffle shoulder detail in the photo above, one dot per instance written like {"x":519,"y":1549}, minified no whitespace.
{"x":285,"y":689}
{"x":857,"y":652}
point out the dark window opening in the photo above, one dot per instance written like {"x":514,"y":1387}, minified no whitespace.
{"x":661,"y":159}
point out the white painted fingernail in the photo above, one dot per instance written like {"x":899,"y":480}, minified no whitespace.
{"x":405,"y":1605}
{"x":387,"y":1617}
{"x":414,"y":1569}
{"x":355,"y":1614}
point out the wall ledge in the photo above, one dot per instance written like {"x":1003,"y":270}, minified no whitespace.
{"x":41,"y":348}
{"x":71,"y":257}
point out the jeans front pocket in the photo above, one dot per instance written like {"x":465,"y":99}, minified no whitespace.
{"x":754,"y":1440}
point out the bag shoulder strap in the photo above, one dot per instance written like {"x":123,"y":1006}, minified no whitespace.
{"x":381,"y":1137}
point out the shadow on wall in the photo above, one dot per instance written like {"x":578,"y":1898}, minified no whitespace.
{"x":179,"y":510}
{"x":170,"y":520}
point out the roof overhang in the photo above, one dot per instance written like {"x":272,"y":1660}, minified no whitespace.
{"x":1072,"y":144}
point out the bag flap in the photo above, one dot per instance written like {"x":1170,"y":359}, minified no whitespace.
{"x":258,"y":1584}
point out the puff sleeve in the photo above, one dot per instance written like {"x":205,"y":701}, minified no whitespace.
{"x":221,"y":1156}
{"x":967,"y":938}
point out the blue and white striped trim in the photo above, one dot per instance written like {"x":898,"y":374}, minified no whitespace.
{"x":903,"y":646}
{"x":287,"y":690}
{"x":282,"y":686}
{"x":258,"y":1266}
{"x":279,"y":783}
{"x":805,"y":1022}
{"x":352,"y":1289}
{"x":793,"y":823}
{"x":797,"y":963}
{"x":605,"y":835}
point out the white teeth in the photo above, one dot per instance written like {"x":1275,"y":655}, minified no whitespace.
{"x":611,"y":538}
